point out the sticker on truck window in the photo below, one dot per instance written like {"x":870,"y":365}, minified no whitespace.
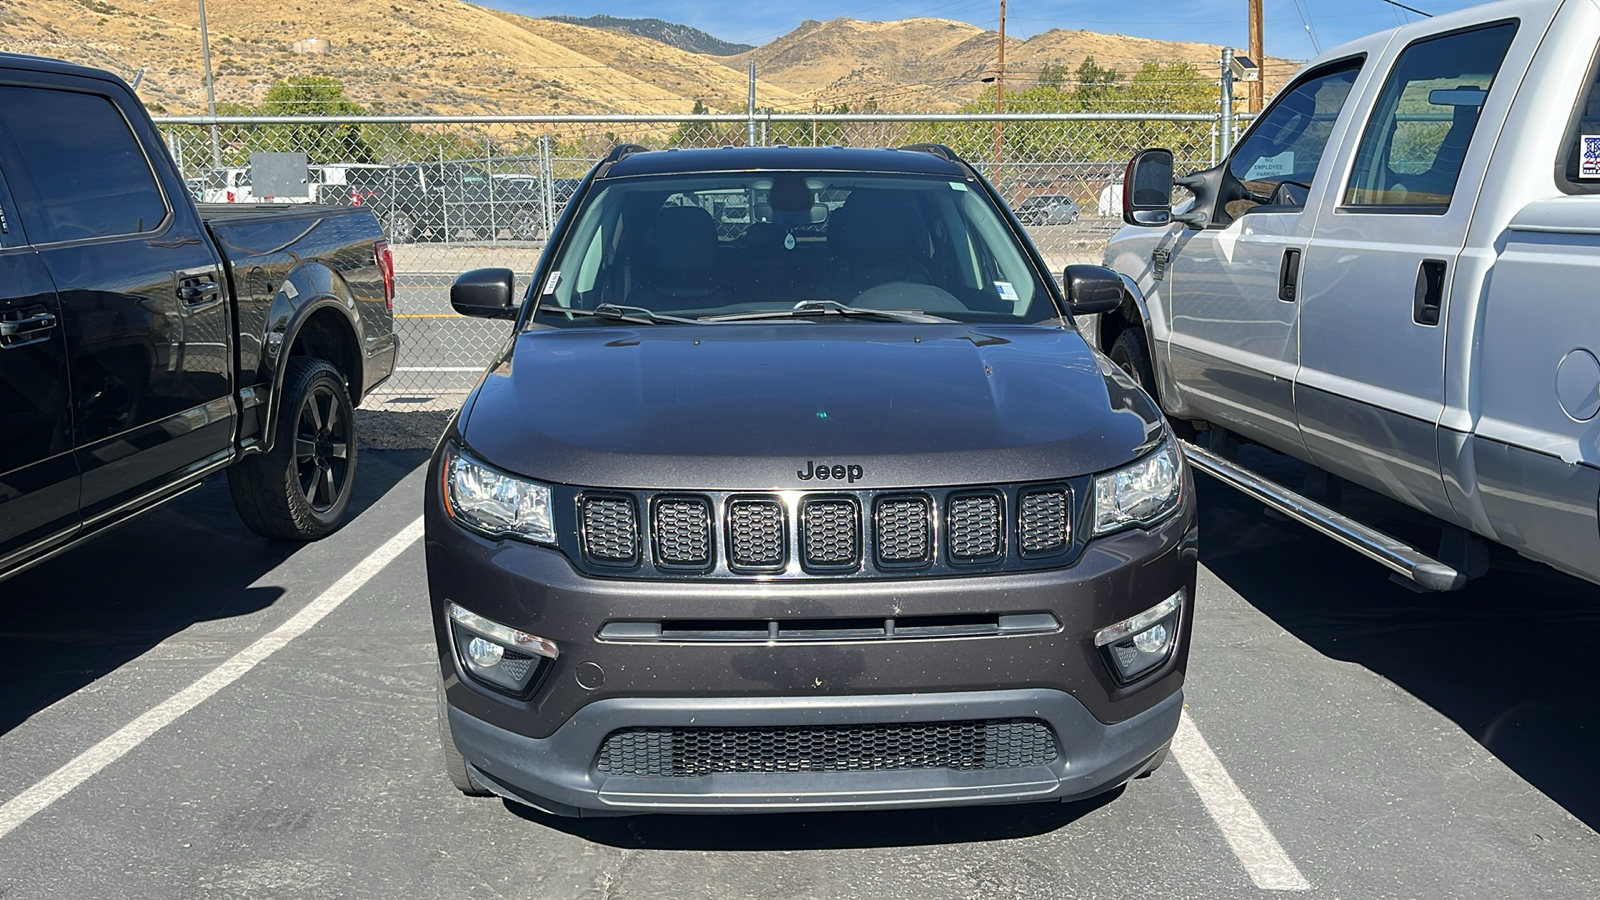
{"x":1589,"y":162}
{"x":1271,"y":166}
{"x":957,"y":186}
{"x":1007,"y":292}
{"x":551,"y":282}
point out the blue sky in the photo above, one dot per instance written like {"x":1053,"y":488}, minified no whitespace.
{"x":1211,"y":21}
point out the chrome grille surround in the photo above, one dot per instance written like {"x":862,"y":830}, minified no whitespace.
{"x":610,"y":529}
{"x":830,"y":533}
{"x":903,"y":527}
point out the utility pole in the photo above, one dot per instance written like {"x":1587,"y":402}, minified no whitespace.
{"x":750,"y":109}
{"x":1000,"y":95}
{"x":211,"y":88}
{"x":1257,"y":56}
{"x":1225,"y":138}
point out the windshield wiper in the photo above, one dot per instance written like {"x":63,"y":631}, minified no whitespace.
{"x":807,"y":308}
{"x":617,"y":312}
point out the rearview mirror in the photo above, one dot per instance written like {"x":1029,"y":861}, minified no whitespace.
{"x":1091,"y":289}
{"x":1147,"y":189}
{"x":485,"y":294}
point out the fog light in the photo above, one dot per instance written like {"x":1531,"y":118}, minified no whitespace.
{"x":497,"y":655}
{"x":483,"y":653}
{"x":1138,"y":645}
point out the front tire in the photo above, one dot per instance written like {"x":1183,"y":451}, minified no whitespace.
{"x":1131,"y":354}
{"x":301,"y":489}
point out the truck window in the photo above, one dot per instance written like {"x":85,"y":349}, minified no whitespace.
{"x":1286,"y":143}
{"x":1578,"y":170}
{"x":1411,"y":154}
{"x":81,"y":171}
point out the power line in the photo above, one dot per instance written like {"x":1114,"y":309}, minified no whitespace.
{"x":1409,"y":9}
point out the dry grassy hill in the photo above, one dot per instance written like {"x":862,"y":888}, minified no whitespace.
{"x":939,"y":63}
{"x":393,"y":55}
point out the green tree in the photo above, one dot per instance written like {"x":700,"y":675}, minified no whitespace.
{"x":315,"y":95}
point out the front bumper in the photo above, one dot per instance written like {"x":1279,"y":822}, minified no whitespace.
{"x":555,"y":774}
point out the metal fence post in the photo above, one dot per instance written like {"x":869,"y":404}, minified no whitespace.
{"x":750,"y":109}
{"x":1227,"y":102}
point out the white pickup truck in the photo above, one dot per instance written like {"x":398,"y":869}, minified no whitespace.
{"x":1395,"y":277}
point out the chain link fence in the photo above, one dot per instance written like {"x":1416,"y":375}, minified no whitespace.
{"x":455,"y":193}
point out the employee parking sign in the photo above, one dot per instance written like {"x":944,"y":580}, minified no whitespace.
{"x":1589,"y":163}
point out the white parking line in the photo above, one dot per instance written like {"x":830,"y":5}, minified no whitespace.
{"x":61,"y":782}
{"x":1258,"y":851}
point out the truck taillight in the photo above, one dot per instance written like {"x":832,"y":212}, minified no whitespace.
{"x":231,"y":198}
{"x":380,"y":252}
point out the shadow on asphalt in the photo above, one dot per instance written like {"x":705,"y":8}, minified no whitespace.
{"x":1513,"y":659}
{"x":81,"y":615}
{"x":822,"y":831}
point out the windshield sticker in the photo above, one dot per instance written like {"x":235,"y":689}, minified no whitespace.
{"x":1271,"y":166}
{"x":1589,"y":162}
{"x":551,"y":282}
{"x":1008,"y":293}
{"x":957,"y":186}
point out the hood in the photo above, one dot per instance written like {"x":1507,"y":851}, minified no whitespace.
{"x":757,"y":406}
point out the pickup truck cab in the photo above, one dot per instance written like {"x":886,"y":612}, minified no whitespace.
{"x":146,"y":344}
{"x":1391,"y":278}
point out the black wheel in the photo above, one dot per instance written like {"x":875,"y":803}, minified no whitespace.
{"x":456,"y":768}
{"x":300,"y":491}
{"x":1132,"y":355}
{"x":402,"y":228}
{"x":1156,"y":761}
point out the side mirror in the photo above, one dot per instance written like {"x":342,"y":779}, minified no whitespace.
{"x":1147,"y":189}
{"x":1091,"y":289}
{"x":485,"y":294}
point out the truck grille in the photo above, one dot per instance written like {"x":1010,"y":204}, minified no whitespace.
{"x":683,"y":532}
{"x":756,"y":534}
{"x":975,"y":527}
{"x":904,"y":528}
{"x":1044,"y":524}
{"x":610,"y":530}
{"x":965,"y":746}
{"x":830,"y":532}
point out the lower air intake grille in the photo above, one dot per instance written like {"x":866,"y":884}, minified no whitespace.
{"x":830,"y":533}
{"x":683,"y":532}
{"x":966,"y":746}
{"x":1043,"y":522}
{"x":905,"y":531}
{"x":974,"y":524}
{"x":610,"y":530}
{"x":755,"y":534}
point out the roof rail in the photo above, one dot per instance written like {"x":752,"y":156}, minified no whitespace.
{"x":618,"y":153}
{"x":939,"y":150}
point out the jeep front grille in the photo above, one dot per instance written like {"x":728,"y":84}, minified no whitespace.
{"x":971,"y":745}
{"x":610,"y":530}
{"x":975,"y":526}
{"x":830,"y":533}
{"x":682,"y":531}
{"x":904,"y":527}
{"x":756,"y":534}
{"x":1045,"y":522}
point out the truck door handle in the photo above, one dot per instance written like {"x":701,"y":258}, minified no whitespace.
{"x":1430,"y":292}
{"x":1289,"y":276}
{"x":24,"y":331}
{"x":200,"y":293}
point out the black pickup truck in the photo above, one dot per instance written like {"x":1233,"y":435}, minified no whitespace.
{"x":146,"y":344}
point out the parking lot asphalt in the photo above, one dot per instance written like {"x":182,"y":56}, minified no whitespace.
{"x":1392,"y":744}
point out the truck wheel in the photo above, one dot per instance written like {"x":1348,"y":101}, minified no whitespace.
{"x":456,"y":768}
{"x":1132,"y":355}
{"x":1156,"y":761}
{"x":300,"y":491}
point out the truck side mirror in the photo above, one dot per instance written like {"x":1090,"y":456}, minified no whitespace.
{"x":1147,"y":189}
{"x":485,"y":294}
{"x":1091,"y":289}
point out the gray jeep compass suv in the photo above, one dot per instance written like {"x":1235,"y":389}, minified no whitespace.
{"x":795,"y":488}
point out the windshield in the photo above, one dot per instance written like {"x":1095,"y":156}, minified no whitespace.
{"x":703,"y":245}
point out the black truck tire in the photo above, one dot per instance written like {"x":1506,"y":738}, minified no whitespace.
{"x":300,"y":490}
{"x":1131,"y":354}
{"x":455,"y":767}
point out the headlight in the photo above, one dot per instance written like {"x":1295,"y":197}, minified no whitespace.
{"x":1140,"y":494}
{"x":494,"y":503}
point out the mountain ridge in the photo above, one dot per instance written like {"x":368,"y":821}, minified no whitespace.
{"x":684,"y":37}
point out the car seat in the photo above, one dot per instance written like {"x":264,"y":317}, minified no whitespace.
{"x":679,"y":268}
{"x":872,"y":242}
